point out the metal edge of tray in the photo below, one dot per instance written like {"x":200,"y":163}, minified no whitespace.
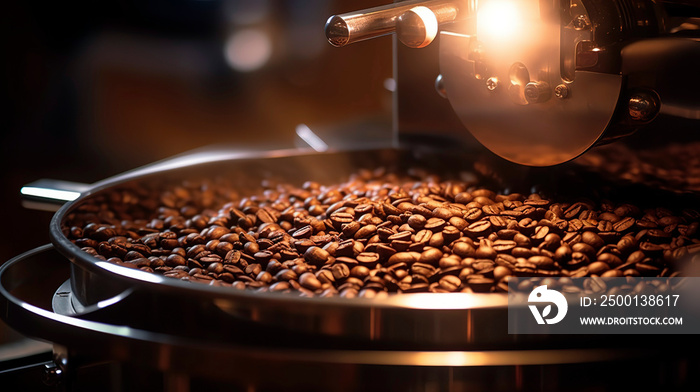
{"x":309,"y":366}
{"x":121,"y":342}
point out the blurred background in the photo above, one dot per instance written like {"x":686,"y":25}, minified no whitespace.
{"x":92,"y":89}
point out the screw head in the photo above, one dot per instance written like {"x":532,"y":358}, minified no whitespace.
{"x":492,"y":83}
{"x":561,"y":91}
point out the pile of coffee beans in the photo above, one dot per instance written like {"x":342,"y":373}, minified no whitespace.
{"x":674,"y":167}
{"x":377,"y":233}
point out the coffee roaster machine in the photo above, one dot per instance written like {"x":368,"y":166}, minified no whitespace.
{"x":538,"y":83}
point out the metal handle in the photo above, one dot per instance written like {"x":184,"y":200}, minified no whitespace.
{"x":50,"y":195}
{"x":415,"y":21}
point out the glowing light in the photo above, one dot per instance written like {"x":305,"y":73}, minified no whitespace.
{"x":248,"y":50}
{"x":497,"y":19}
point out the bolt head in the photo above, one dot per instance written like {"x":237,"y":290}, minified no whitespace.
{"x":537,"y":92}
{"x":561,"y":91}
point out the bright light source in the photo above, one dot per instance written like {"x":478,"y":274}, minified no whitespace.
{"x":248,"y":50}
{"x":497,"y":20}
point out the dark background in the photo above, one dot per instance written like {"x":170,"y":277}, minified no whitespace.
{"x":91,"y":89}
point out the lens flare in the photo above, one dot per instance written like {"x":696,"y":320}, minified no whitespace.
{"x":498,"y":20}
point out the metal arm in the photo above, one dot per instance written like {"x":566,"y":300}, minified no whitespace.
{"x":415,"y":21}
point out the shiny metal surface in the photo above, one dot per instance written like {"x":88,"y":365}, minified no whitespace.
{"x":375,"y":22}
{"x":306,"y":363}
{"x":538,"y":134}
{"x":49,"y":194}
{"x":28,"y":286}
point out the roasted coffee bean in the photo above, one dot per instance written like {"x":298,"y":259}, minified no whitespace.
{"x":478,"y":229}
{"x":174,"y":260}
{"x":309,"y":281}
{"x":485,"y":250}
{"x":449,"y":262}
{"x":425,"y":270}
{"x":506,"y":260}
{"x":502,"y":246}
{"x":463,"y":249}
{"x":264,"y":277}
{"x":340,"y":271}
{"x":430,"y":256}
{"x":542,"y":262}
{"x":610,"y":259}
{"x":286,"y":274}
{"x":366,"y":231}
{"x":316,"y":256}
{"x":592,"y":239}
{"x":501,"y":272}
{"x":458,"y":222}
{"x":403,"y":257}
{"x":435,"y":224}
{"x":279,"y":286}
{"x":522,"y":240}
{"x":522,"y":252}
{"x":584,"y":248}
{"x":598,"y":267}
{"x":359,"y":272}
{"x":450,"y":233}
{"x":578,"y":259}
{"x":368,"y":258}
{"x":624,"y":224}
{"x":483,"y":266}
{"x":450,"y":283}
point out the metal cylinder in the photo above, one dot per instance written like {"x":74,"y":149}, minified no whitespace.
{"x":375,"y":22}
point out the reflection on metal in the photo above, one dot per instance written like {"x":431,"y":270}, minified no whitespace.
{"x":440,"y":86}
{"x":447,"y":301}
{"x":537,"y":92}
{"x":49,"y":195}
{"x":643,"y":106}
{"x":54,"y":194}
{"x":561,"y":91}
{"x":130,"y":272}
{"x":310,"y":138}
{"x":492,"y":83}
{"x":417,"y":27}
